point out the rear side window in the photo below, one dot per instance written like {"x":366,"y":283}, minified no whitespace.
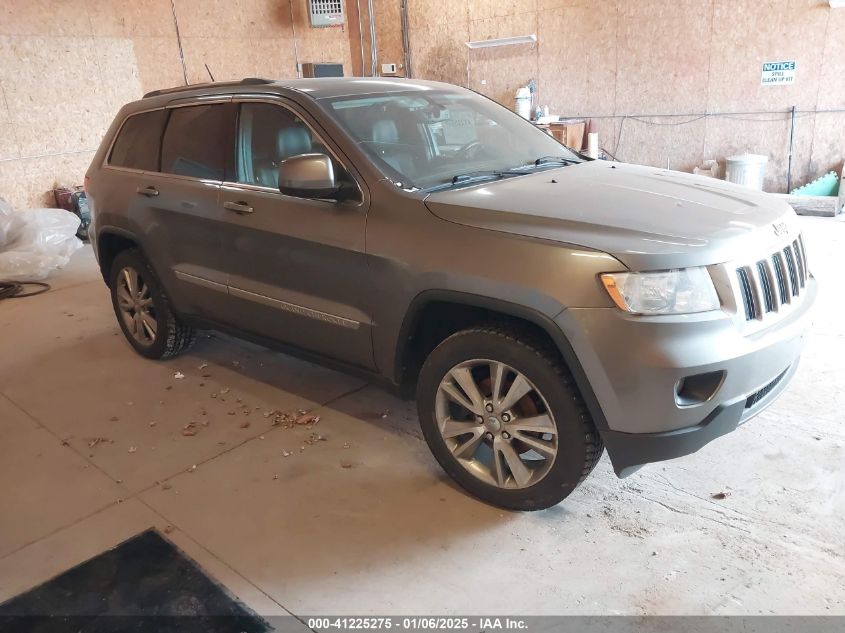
{"x":197,"y":140}
{"x":138,"y":142}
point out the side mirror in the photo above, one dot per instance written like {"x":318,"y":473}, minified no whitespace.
{"x":308,"y":176}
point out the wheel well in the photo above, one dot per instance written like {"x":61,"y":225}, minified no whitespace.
{"x":438,"y":320}
{"x":108,"y":247}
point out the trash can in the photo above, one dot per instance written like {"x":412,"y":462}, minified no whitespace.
{"x":748,"y":170}
{"x":522,"y":102}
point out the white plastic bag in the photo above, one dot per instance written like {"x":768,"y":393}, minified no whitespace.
{"x":5,"y":221}
{"x":35,"y":241}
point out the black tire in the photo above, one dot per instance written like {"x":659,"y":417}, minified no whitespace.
{"x":172,"y":337}
{"x":579,"y":445}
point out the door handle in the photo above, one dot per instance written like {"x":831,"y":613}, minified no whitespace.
{"x":238,"y":207}
{"x":150,"y":192}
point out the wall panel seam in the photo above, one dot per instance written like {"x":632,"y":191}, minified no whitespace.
{"x":47,"y":155}
{"x":818,"y":94}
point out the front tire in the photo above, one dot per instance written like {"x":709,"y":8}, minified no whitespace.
{"x":143,"y":310}
{"x":502,"y":416}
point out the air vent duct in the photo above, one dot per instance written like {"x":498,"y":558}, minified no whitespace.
{"x":326,"y":12}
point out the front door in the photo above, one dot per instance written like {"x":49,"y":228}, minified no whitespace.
{"x":297,"y":271}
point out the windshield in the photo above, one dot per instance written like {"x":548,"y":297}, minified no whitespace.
{"x":432,"y":138}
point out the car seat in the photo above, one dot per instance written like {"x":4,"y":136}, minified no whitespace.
{"x":290,"y":141}
{"x":387,"y":145}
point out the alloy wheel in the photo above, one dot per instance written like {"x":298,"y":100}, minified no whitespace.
{"x":137,"y":309}
{"x":496,"y":423}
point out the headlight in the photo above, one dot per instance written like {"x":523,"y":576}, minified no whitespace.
{"x":681,"y":291}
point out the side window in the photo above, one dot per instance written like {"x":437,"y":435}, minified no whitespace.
{"x":139,"y":140}
{"x":196,"y":141}
{"x":267,"y":135}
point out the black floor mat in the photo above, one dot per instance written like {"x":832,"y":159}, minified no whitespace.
{"x":145,"y":584}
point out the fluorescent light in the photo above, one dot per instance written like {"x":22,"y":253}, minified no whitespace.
{"x":519,"y":39}
{"x":837,"y":4}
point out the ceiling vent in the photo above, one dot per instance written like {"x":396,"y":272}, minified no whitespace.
{"x":326,"y":12}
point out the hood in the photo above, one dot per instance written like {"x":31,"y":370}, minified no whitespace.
{"x":648,"y":218}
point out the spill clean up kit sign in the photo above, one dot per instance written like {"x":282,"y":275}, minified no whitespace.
{"x":778,"y":73}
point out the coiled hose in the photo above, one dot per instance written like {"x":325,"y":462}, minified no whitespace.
{"x":16,"y":290}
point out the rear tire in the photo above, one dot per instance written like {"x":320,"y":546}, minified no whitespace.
{"x":143,"y":310}
{"x":550,"y":421}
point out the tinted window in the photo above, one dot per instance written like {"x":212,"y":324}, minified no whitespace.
{"x":267,"y":135}
{"x":137,"y":144}
{"x":196,"y":140}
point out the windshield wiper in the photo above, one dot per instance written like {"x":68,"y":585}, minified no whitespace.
{"x":478,"y":175}
{"x":544,"y":160}
{"x":472,"y":176}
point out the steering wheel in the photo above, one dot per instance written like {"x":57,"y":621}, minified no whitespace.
{"x":469,"y":150}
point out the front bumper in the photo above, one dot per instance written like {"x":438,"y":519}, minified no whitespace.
{"x":633,"y":366}
{"x":629,"y":451}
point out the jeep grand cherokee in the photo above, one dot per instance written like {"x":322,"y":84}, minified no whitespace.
{"x":541,"y":306}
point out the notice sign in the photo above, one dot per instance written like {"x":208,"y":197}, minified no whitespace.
{"x":778,"y":73}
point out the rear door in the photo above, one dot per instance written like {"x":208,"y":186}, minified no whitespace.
{"x":186,"y":223}
{"x":297,"y":271}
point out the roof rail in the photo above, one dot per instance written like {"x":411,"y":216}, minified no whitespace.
{"x":248,"y":81}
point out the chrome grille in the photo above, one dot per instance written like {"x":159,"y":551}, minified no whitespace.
{"x":773,"y":282}
{"x":799,"y":260}
{"x":783,"y":291}
{"x":745,"y":291}
{"x":790,"y":264}
{"x":763,"y":274}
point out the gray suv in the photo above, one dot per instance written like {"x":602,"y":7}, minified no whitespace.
{"x":540,"y":306}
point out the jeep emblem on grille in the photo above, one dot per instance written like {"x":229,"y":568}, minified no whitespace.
{"x":780,"y":228}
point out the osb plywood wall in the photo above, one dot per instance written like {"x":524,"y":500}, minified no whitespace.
{"x":66,"y":67}
{"x":389,"y":48}
{"x":613,"y":59}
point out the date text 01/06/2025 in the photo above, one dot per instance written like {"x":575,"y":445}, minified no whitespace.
{"x":417,"y":623}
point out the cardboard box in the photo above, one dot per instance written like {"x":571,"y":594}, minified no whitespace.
{"x":570,"y":133}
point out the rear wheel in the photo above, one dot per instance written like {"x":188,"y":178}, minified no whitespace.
{"x":503,"y":418}
{"x":143,"y":311}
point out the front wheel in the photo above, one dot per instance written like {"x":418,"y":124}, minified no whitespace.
{"x":143,"y":311}
{"x":504,"y":419}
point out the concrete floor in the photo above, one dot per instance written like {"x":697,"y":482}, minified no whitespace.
{"x":365,"y":522}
